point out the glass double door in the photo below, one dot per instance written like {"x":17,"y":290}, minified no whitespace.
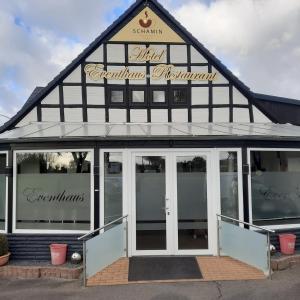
{"x":170,"y":203}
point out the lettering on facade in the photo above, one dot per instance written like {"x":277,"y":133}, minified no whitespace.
{"x":141,"y":54}
{"x":160,"y":72}
{"x":35,"y":195}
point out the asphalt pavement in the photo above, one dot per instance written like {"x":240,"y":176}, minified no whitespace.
{"x":284,"y":285}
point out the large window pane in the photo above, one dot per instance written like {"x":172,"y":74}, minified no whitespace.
{"x":275,"y":187}
{"x":53,"y":191}
{"x":112,"y":186}
{"x":192,"y":202}
{"x":229,"y":187}
{"x":150,"y":203}
{"x":2,"y":191}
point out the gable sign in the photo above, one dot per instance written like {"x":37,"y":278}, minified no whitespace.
{"x":147,"y":27}
{"x":160,"y":72}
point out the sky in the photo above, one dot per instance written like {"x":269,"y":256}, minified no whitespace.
{"x":258,"y":40}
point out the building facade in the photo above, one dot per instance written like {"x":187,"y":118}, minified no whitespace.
{"x":146,"y":122}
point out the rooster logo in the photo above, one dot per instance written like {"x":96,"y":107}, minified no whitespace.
{"x":146,"y":21}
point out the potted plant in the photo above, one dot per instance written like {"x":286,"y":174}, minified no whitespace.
{"x":4,"y":254}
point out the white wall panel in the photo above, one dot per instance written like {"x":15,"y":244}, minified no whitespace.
{"x":138,"y":69}
{"x":196,"y":57}
{"x":220,"y":78}
{"x":117,"y":116}
{"x":180,"y":115}
{"x":221,"y":95}
{"x":239,"y":98}
{"x":138,"y":115}
{"x":184,"y":69}
{"x":73,"y":114}
{"x":259,"y":117}
{"x":96,"y":115}
{"x":30,"y":117}
{"x":200,"y":95}
{"x":50,"y":114}
{"x":178,"y":54}
{"x":115,"y":53}
{"x":72,"y":95}
{"x":152,"y":81}
{"x":95,"y":95}
{"x":52,"y":98}
{"x":160,"y":48}
{"x":221,"y":115}
{"x":112,"y":81}
{"x":75,"y":76}
{"x":200,"y":69}
{"x":159,"y":115}
{"x":96,"y":56}
{"x":241,"y":115}
{"x":200,"y":115}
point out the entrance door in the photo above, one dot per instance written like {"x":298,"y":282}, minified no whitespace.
{"x":151,"y":203}
{"x":170,"y":210}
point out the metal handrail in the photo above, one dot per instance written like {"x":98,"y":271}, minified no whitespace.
{"x":245,"y":223}
{"x":101,"y":228}
{"x":254,"y":226}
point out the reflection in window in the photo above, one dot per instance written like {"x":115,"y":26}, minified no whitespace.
{"x":192,"y":203}
{"x":150,"y":203}
{"x":138,"y":96}
{"x":159,"y":96}
{"x":53,"y":191}
{"x":275,"y":187}
{"x":2,"y":191}
{"x":113,"y":185}
{"x":117,"y":96}
{"x":179,"y":96}
{"x":229,"y":188}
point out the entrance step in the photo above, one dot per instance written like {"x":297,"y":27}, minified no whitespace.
{"x":212,"y":269}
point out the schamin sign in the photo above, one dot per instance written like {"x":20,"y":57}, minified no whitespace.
{"x":159,"y":72}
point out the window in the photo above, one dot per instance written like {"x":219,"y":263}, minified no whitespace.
{"x":159,"y":97}
{"x":179,"y":96}
{"x":138,"y":96}
{"x":117,"y":96}
{"x":229,"y":185}
{"x":113,"y":186}
{"x":53,"y":191}
{"x":2,"y":192}
{"x":275,"y":187}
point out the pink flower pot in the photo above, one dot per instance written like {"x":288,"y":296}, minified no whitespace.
{"x":4,"y":259}
{"x":58,"y":254}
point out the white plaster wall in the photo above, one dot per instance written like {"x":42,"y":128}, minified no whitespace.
{"x":200,"y":95}
{"x":159,"y":115}
{"x":95,"y":95}
{"x":200,"y":115}
{"x":72,"y":94}
{"x":50,"y":114}
{"x":52,"y":98}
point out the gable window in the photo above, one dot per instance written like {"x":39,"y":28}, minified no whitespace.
{"x":179,"y":96}
{"x":159,"y":96}
{"x":117,"y":96}
{"x":138,"y":96}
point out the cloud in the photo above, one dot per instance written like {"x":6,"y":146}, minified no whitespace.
{"x":39,"y":38}
{"x":257,"y":39}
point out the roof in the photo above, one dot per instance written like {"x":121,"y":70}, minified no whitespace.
{"x":271,"y":98}
{"x":118,"y":131}
{"x":109,"y":32}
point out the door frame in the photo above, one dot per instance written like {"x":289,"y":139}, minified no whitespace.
{"x":171,"y":193}
{"x":215,"y":201}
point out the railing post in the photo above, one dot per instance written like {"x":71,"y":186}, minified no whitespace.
{"x":84,"y":264}
{"x":126,"y":237}
{"x":218,"y":235}
{"x":269,"y":257}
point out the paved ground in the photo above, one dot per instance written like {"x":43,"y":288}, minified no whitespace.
{"x":285,"y":285}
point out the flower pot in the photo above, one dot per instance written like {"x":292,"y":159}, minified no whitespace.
{"x":4,"y":259}
{"x":58,"y":254}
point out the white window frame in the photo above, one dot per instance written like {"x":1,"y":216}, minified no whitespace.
{"x":49,"y":231}
{"x":6,"y":195}
{"x":240,"y":179}
{"x":124,"y":185}
{"x":282,"y":226}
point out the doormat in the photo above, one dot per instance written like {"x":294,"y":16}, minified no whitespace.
{"x":163,"y":268}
